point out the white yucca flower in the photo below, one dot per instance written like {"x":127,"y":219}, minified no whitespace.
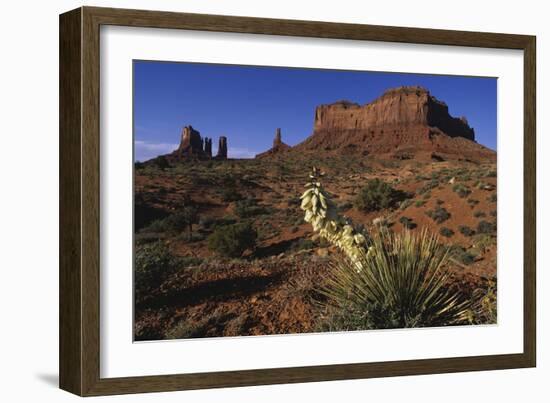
{"x":321,"y":213}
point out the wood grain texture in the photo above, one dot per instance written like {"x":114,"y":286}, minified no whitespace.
{"x":70,"y":279}
{"x":530,"y":203}
{"x":80,"y":201}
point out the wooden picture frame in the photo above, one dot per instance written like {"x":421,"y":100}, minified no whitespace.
{"x":80,"y":184}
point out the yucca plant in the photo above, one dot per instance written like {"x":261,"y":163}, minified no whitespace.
{"x":403,"y":284}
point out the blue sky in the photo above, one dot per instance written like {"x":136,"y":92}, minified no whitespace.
{"x":247,"y":103}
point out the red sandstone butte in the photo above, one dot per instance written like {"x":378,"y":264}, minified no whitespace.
{"x":404,"y":122}
{"x":193,"y":145}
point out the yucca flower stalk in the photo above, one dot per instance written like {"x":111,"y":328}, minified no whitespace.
{"x":321,"y":213}
{"x":386,"y":280}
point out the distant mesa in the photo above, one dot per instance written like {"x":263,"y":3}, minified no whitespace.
{"x":194,"y":146}
{"x":278,"y":146}
{"x":402,"y":122}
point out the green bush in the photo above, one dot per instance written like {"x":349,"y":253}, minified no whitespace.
{"x":407,"y":222}
{"x":377,"y":195}
{"x":446,"y":232}
{"x":405,"y":203}
{"x":438,"y":214}
{"x":302,"y":244}
{"x":403,"y":284}
{"x":161,"y":162}
{"x":248,"y":208}
{"x":485,"y":227}
{"x":461,"y":190}
{"x":152,"y":265}
{"x":466,"y":231}
{"x":177,"y":222}
{"x":462,"y":255}
{"x":230,"y":194}
{"x":213,"y":222}
{"x":432,"y":184}
{"x":232,"y":240}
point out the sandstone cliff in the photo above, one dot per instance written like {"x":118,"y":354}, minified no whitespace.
{"x":404,"y":121}
{"x":193,"y":145}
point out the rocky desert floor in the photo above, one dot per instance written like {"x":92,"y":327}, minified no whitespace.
{"x":273,"y":287}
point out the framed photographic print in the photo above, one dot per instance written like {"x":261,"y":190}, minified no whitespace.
{"x":251,"y":201}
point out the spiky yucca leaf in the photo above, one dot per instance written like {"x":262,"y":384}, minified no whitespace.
{"x":403,"y":284}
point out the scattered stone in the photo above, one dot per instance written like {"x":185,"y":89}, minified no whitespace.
{"x":322,"y":252}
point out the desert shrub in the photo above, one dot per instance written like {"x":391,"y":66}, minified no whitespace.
{"x":405,"y":203}
{"x":302,"y":244}
{"x":493,"y":213}
{"x":407,"y":222}
{"x":466,"y":231}
{"x":210,"y":223}
{"x":482,"y":242}
{"x":461,"y":190}
{"x":248,"y":208}
{"x":377,"y":195}
{"x":438,"y":214}
{"x":196,"y":236}
{"x":479,"y":214}
{"x":403,"y":284}
{"x":419,"y":203}
{"x":486,"y":227}
{"x":161,"y":162}
{"x":492,"y":198}
{"x":232,"y":240}
{"x":462,"y":255}
{"x":152,"y":265}
{"x":439,"y":202}
{"x":293,"y":201}
{"x":345,"y":206}
{"x":207,"y":221}
{"x":177,"y":222}
{"x":446,"y":232}
{"x":432,"y":184}
{"x":230,"y":194}
{"x":484,"y":305}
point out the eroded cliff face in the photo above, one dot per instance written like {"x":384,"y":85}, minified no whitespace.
{"x":402,"y":120}
{"x":398,"y":107}
{"x":193,"y":145}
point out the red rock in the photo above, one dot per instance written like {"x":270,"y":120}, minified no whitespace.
{"x":193,"y":145}
{"x":191,"y":142}
{"x":222,"y":148}
{"x":404,"y":122}
{"x":278,"y":146}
